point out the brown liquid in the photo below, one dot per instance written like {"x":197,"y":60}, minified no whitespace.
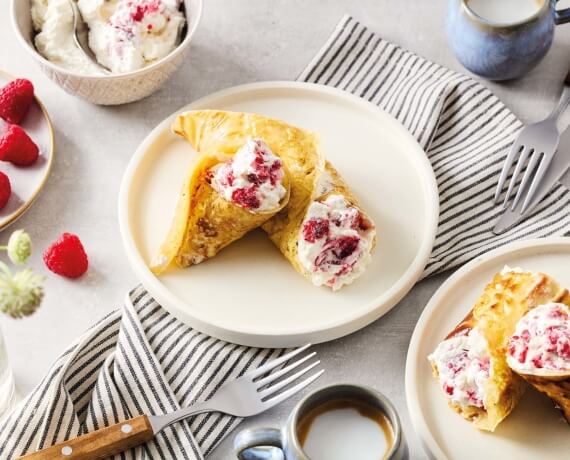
{"x":364,"y":409}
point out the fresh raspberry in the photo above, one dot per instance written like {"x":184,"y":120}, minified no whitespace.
{"x":345,"y":246}
{"x":17,"y":147}
{"x":5,"y":189}
{"x":361,"y":223}
{"x":246,"y":197}
{"x":66,"y":256}
{"x":537,"y":361}
{"x":15,"y":100}
{"x":315,"y":229}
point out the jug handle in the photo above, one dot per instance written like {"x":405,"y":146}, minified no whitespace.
{"x":259,"y":444}
{"x":561,"y":16}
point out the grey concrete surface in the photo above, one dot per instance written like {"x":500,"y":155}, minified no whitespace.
{"x":237,"y":42}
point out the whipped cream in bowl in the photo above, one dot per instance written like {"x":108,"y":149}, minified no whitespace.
{"x":53,"y":22}
{"x":143,"y":42}
{"x":125,"y":35}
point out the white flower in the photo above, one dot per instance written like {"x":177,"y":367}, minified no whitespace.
{"x":20,"y":293}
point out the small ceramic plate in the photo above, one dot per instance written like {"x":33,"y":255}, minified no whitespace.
{"x":535,"y":429}
{"x":28,"y":182}
{"x":249,"y":293}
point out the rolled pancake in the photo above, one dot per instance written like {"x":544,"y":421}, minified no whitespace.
{"x":539,"y":352}
{"x":471,"y":363}
{"x":286,"y":229}
{"x":205,"y":221}
{"x":313,"y":180}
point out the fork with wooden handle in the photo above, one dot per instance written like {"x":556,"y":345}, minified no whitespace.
{"x":251,"y":394}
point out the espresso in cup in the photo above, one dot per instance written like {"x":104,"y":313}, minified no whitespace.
{"x":345,"y":429}
{"x":338,"y":422}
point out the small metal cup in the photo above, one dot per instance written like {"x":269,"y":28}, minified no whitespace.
{"x":283,"y":444}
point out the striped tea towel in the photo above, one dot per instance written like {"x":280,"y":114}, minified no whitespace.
{"x":136,"y":360}
{"x":143,"y":360}
{"x":465,"y":130}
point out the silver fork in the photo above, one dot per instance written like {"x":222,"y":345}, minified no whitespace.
{"x":251,"y":394}
{"x":536,"y":143}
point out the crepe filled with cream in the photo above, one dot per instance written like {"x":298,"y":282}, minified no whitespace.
{"x":323,"y":231}
{"x":539,"y":351}
{"x":471,"y":363}
{"x":231,"y":190}
{"x":327,"y":237}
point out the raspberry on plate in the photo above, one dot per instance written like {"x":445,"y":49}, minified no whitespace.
{"x":17,"y":147}
{"x":66,"y":256}
{"x":15,"y":100}
{"x":5,"y":189}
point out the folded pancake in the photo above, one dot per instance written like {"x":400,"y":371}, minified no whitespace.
{"x":327,"y":238}
{"x":539,"y":351}
{"x":323,"y":231}
{"x":226,"y":195}
{"x":471,"y":363}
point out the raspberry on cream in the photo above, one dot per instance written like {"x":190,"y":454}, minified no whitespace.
{"x":335,"y":242}
{"x":125,"y":35}
{"x":252,"y":179}
{"x":541,"y":342}
{"x":463,"y":367}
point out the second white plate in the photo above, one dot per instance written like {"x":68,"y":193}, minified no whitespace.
{"x":249,"y":293}
{"x":534,"y":430}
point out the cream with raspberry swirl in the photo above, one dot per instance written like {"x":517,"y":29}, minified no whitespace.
{"x":541,"y":342}
{"x":252,"y":179}
{"x":335,"y":242}
{"x":463,"y":368}
{"x":126,"y":35}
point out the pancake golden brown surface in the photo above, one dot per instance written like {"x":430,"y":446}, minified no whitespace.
{"x":471,"y":363}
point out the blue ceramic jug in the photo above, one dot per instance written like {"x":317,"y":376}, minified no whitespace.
{"x":501,"y":50}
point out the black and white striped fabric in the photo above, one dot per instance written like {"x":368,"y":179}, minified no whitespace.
{"x":143,"y":360}
{"x":136,"y":360}
{"x":465,"y":130}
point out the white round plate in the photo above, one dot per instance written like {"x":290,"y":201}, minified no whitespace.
{"x":27,"y":182}
{"x":249,"y":294}
{"x":535,"y":429}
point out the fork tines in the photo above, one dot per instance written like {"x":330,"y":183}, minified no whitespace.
{"x":269,"y":386}
{"x":531,"y":154}
{"x":535,"y":170}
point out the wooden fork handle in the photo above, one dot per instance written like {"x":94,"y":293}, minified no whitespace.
{"x":101,"y":443}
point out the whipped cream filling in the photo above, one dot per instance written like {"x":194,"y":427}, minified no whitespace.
{"x":335,"y":242}
{"x":541,"y":340}
{"x":506,"y":269}
{"x":463,"y":365}
{"x":125,"y":35}
{"x":252,"y":179}
{"x":53,"y":22}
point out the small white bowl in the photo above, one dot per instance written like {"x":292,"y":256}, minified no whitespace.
{"x":106,"y":89}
